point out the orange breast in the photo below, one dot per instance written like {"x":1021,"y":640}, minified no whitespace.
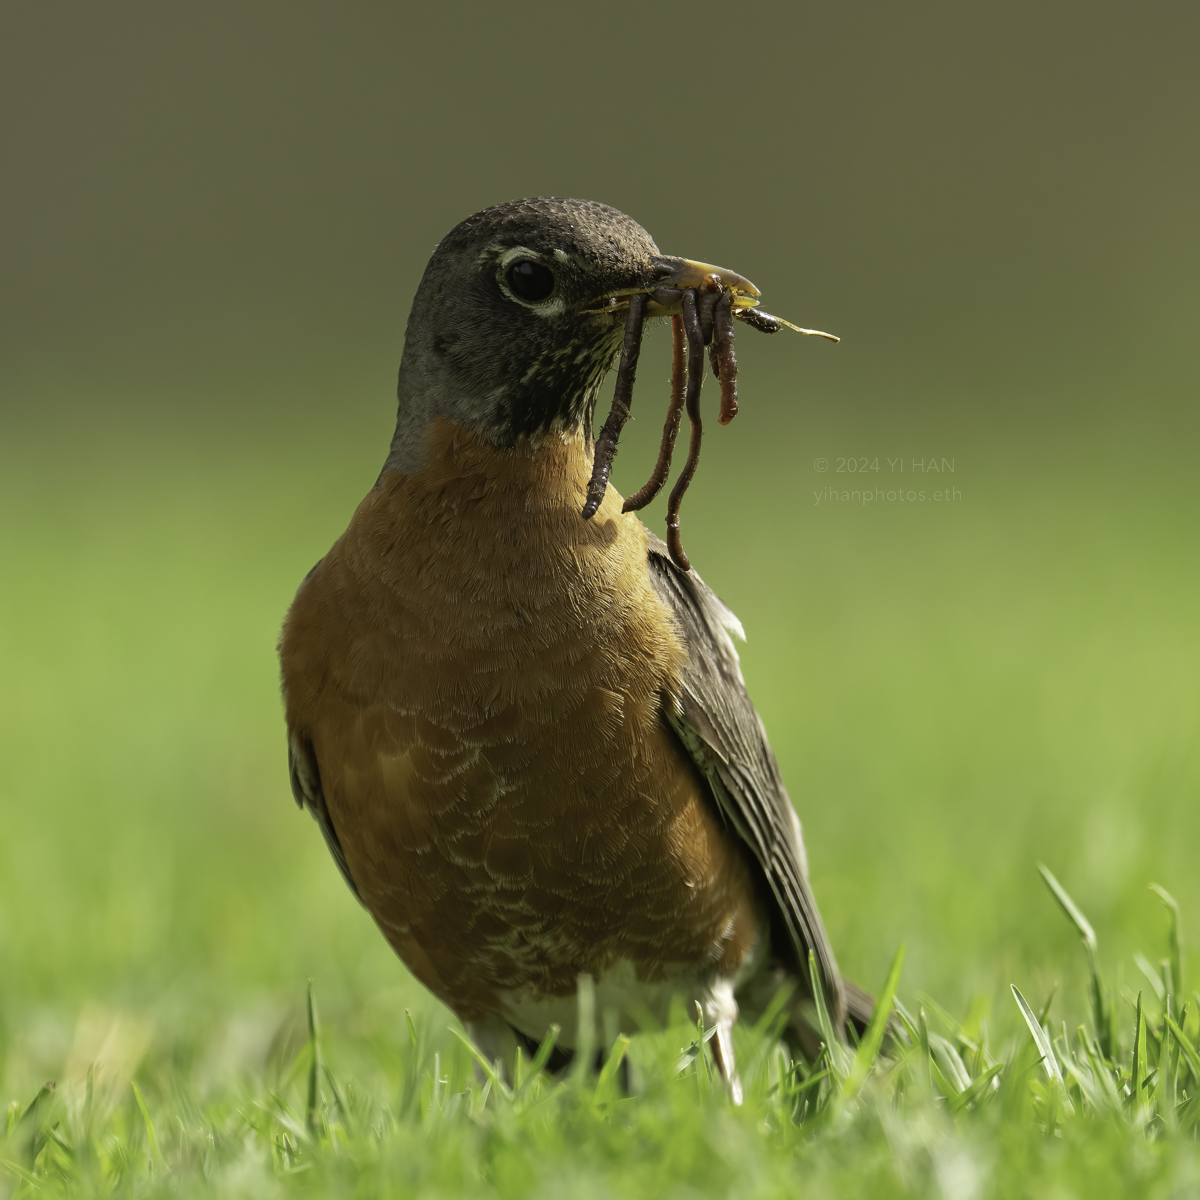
{"x":482,"y":674}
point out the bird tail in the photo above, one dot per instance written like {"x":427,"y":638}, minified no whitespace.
{"x":802,"y":1031}
{"x":859,"y":1006}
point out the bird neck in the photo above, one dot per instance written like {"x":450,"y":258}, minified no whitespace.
{"x":516,"y":395}
{"x":546,"y":471}
{"x":426,"y":438}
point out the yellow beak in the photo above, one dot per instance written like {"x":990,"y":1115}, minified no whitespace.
{"x":676,"y":275}
{"x":673,"y":276}
{"x":690,"y":274}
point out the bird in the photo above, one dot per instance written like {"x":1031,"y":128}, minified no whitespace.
{"x":525,"y":736}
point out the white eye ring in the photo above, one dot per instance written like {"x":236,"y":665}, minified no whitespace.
{"x":552,"y":306}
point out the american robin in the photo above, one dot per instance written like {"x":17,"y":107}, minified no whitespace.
{"x":525,"y":735}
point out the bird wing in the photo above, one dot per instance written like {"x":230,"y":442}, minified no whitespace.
{"x":304,"y":773}
{"x":305,"y":777}
{"x":724,"y":734}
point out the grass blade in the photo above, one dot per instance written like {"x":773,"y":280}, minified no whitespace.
{"x":543,"y":1053}
{"x":1102,"y":1072}
{"x":1174,"y":935}
{"x":979,"y":1087}
{"x":338,"y":1098}
{"x":950,"y":1062}
{"x":314,"y":1065}
{"x":1042,"y":1040}
{"x":1140,"y":1065}
{"x":489,"y":1069}
{"x":1152,"y":976}
{"x":1044,"y":1015}
{"x":585,"y":1028}
{"x":27,"y":1177}
{"x":907,"y":1020}
{"x":923,"y":1041}
{"x":150,"y":1135}
{"x":1069,"y":906}
{"x":1086,"y":1085}
{"x":1040,"y":1037}
{"x":762,"y":1027}
{"x":1164,"y":1092}
{"x":1101,"y":1009}
{"x":837,"y":1052}
{"x":613,"y":1063}
{"x":868,"y":1048}
{"x":1189,"y":1051}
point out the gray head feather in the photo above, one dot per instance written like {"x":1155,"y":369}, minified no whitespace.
{"x":479,"y":356}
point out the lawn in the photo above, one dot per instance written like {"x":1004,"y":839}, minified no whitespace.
{"x":957,"y":691}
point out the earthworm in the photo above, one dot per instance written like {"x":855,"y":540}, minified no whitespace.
{"x":707,"y":320}
{"x":662,"y":468}
{"x":606,"y":443}
{"x":695,"y":377}
{"x":726,"y":360}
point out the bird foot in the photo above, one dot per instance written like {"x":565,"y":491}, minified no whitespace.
{"x":722,"y":1048}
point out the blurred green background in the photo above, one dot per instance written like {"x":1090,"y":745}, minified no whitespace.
{"x":213,"y":220}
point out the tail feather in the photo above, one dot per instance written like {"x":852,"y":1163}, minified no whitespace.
{"x":859,"y":1006}
{"x":802,"y":1031}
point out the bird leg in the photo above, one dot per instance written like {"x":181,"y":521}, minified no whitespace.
{"x":722,"y":1048}
{"x":606,"y":443}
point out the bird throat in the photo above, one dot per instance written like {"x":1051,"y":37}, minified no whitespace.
{"x":539,"y":472}
{"x":556,"y":392}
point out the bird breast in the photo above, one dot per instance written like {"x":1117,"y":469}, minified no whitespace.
{"x":482,"y":676}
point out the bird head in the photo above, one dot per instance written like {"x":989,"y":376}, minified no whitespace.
{"x":519,"y":315}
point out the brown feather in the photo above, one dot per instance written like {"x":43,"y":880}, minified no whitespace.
{"x":482,"y":678}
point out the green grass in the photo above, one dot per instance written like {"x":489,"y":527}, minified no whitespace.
{"x":955,"y":696}
{"x":939,"y":1111}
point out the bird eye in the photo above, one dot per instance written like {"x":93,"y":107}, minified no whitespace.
{"x":530,"y":280}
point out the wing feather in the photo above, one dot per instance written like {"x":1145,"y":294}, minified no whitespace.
{"x":718,"y":724}
{"x":305,"y":776}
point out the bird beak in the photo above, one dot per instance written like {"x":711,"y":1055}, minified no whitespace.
{"x":671,"y":276}
{"x":684,"y":273}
